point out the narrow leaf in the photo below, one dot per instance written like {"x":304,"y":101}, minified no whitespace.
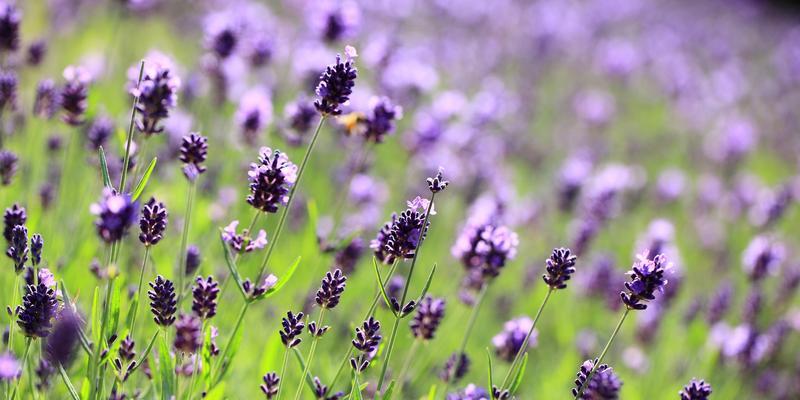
{"x":146,"y":353}
{"x":427,"y":284}
{"x":432,"y":393}
{"x":489,"y":359}
{"x":104,"y":168}
{"x":285,"y":279}
{"x":96,"y":315}
{"x":145,"y":178}
{"x":380,"y":285}
{"x":232,"y":268}
{"x":166,"y":371}
{"x":302,"y":365}
{"x":387,"y":395}
{"x":70,"y":387}
{"x":520,"y":373}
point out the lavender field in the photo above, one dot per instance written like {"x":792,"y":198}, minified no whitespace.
{"x":400,"y":199}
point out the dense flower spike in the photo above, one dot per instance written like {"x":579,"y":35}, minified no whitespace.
{"x":762,"y":257}
{"x":73,"y":95}
{"x":8,"y":90}
{"x":254,"y":113}
{"x":455,"y":368}
{"x":270,"y":385}
{"x":18,"y":250}
{"x":13,"y":216}
{"x":8,"y":166}
{"x":486,"y":247}
{"x":271,"y":180}
{"x":428,"y":317}
{"x":300,"y":115}
{"x":405,"y":232}
{"x":9,"y":367}
{"x":10,"y":18}
{"x":162,"y":301}
{"x":115,"y":214}
{"x":37,"y":243}
{"x":560,"y":266}
{"x":381,"y":119}
{"x":336,"y":84}
{"x":98,"y":133}
{"x":331,"y":289}
{"x":509,"y":342}
{"x":242,"y":242}
{"x":193,"y":260}
{"x":696,"y":390}
{"x":47,"y":100}
{"x":193,"y":153}
{"x":646,"y":278}
{"x":36,"y":52}
{"x":292,"y":328}
{"x":188,"y":334}
{"x":321,"y":391}
{"x":379,"y":244}
{"x":366,"y":341}
{"x":605,"y":384}
{"x":60,"y":346}
{"x":204,"y":297}
{"x":437,"y":183}
{"x":39,"y":307}
{"x":158,"y":94}
{"x":153,"y":222}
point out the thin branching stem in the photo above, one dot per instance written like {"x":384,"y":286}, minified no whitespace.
{"x":126,"y":157}
{"x":603,"y":353}
{"x":282,"y":376}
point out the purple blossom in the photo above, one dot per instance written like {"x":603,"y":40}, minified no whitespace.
{"x":646,"y":278}
{"x":271,"y":180}
{"x":10,"y":368}
{"x":509,"y":342}
{"x":254,"y":114}
{"x":242,"y":242}
{"x":762,"y":257}
{"x":115,"y":214}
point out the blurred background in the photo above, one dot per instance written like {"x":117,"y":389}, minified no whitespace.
{"x":607,"y":126}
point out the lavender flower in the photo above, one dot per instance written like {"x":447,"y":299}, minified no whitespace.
{"x":719,"y":303}
{"x":18,"y":249}
{"x":98,"y":133}
{"x":647,"y":277}
{"x":437,"y":183}
{"x":695,"y":390}
{"x":10,"y":368}
{"x":8,"y":89}
{"x":428,"y":317}
{"x":336,"y":84}
{"x":73,"y":95}
{"x":222,"y":38}
{"x":44,"y":370}
{"x":331,"y":289}
{"x":13,"y":216}
{"x":10,"y":18}
{"x":292,"y":328}
{"x":300,"y":115}
{"x":153,"y":222}
{"x":261,"y":51}
{"x":270,"y":386}
{"x":381,"y":119}
{"x":405,"y":233}
{"x":366,"y":341}
{"x":158,"y":94}
{"x":46,"y":102}
{"x":455,"y":368}
{"x":8,"y":166}
{"x":242,"y":242}
{"x":604,"y":385}
{"x":256,"y":292}
{"x":271,"y":180}
{"x":486,"y":247}
{"x":347,"y":257}
{"x":509,"y":342}
{"x":188,"y":334}
{"x":36,"y":249}
{"x":321,"y":391}
{"x":60,"y":346}
{"x":204,"y":301}
{"x":762,"y":257}
{"x":338,"y":21}
{"x":471,"y":392}
{"x":115,"y":214}
{"x":39,"y":307}
{"x":254,"y":113}
{"x":162,"y":301}
{"x":380,"y":242}
{"x":193,"y":260}
{"x":559,"y":266}
{"x":36,"y":52}
{"x":193,"y":152}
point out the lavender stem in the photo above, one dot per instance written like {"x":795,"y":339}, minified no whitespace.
{"x":603,"y":353}
{"x":283,"y":372}
{"x":524,"y":348}
{"x":179,"y":270}
{"x":139,"y":289}
{"x":310,"y":356}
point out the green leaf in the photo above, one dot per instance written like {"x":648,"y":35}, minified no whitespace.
{"x":286,"y":278}
{"x":432,"y":392}
{"x":232,"y":267}
{"x":96,"y":315}
{"x":489,"y":359}
{"x":520,"y":373}
{"x":115,"y":307}
{"x":146,"y":353}
{"x":217,"y":393}
{"x":427,"y":284}
{"x":71,"y":388}
{"x":86,"y":386}
{"x":166,"y":369}
{"x":104,"y":168}
{"x":302,"y":364}
{"x":357,"y":391}
{"x":380,"y":285}
{"x":145,"y":178}
{"x":273,"y":350}
{"x":389,"y":389}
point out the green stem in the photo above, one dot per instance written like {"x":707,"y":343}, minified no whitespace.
{"x":355,"y":387}
{"x":126,"y":158}
{"x":139,"y":290}
{"x":310,"y":356}
{"x":388,"y":354}
{"x":371,"y":310}
{"x":227,"y":351}
{"x":470,"y":324}
{"x":282,"y":376}
{"x":407,"y":363}
{"x":603,"y":353}
{"x":13,"y":313}
{"x":285,"y":210}
{"x":24,"y":363}
{"x":524,"y":349}
{"x":181,"y":267}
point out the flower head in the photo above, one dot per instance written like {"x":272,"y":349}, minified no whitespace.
{"x":292,"y":328}
{"x":254,"y":113}
{"x":204,"y":297}
{"x":242,"y":242}
{"x":158,"y":94}
{"x":428,"y":317}
{"x":486,"y":247}
{"x":39,"y":307}
{"x":321,"y":391}
{"x":300,"y":115}
{"x":13,"y":216}
{"x":380,"y":121}
{"x":8,"y":166}
{"x":10,"y":18}
{"x":36,"y":249}
{"x":455,"y":368}
{"x":188,"y":334}
{"x":162,"y":301}
{"x":762,"y":257}
{"x":646,"y":278}
{"x":331,"y":289}
{"x":604,"y":384}
{"x":115,"y":214}
{"x":74,"y":94}
{"x":270,"y":386}
{"x":98,"y":133}
{"x":60,"y":346}
{"x":560,"y":266}
{"x":193,"y":152}
{"x":153,"y":222}
{"x":509,"y":342}
{"x":46,"y":102}
{"x":366,"y":340}
{"x":695,"y":390}
{"x":18,"y":249}
{"x":193,"y":260}
{"x":8,"y":90}
{"x":336,"y":84}
{"x":271,"y":180}
{"x":437,"y":183}
{"x":471,"y":392}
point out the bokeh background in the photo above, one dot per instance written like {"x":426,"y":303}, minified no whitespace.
{"x":598,"y":125}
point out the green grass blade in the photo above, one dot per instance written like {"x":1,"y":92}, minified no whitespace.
{"x":104,"y":168}
{"x":427,"y":284}
{"x":145,"y":178}
{"x":380,"y":285}
{"x":68,"y":383}
{"x":520,"y":373}
{"x":489,"y":361}
{"x":285,"y":279}
{"x":232,"y":267}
